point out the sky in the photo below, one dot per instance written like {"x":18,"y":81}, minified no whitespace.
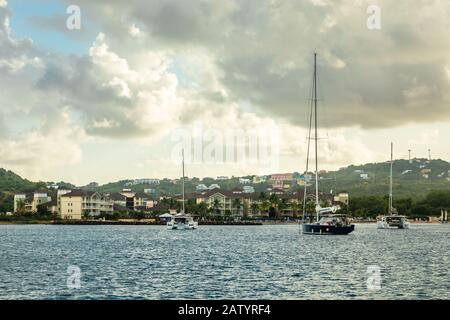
{"x":229,"y":81}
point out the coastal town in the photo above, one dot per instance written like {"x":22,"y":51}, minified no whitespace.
{"x":276,"y":197}
{"x":276,"y":201}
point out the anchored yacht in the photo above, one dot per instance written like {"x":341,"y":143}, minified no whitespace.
{"x":182,"y":220}
{"x":327,"y":222}
{"x":392,"y":220}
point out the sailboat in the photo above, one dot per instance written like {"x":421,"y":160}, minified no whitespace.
{"x":392,"y":220}
{"x":182,"y":220}
{"x":327,"y":220}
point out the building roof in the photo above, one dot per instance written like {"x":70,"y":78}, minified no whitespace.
{"x":41,"y":191}
{"x":79,"y":193}
{"x":141,"y":195}
{"x":115,"y":196}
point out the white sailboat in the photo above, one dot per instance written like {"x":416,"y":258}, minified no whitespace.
{"x":392,"y":220}
{"x":327,"y":221}
{"x":182,"y":220}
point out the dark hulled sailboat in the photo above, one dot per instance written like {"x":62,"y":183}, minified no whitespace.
{"x":327,"y":222}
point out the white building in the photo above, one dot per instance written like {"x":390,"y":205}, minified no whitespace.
{"x":78,"y":203}
{"x":201,"y":187}
{"x":244,"y":181}
{"x":259,"y":179}
{"x":248,"y":189}
{"x":342,"y":197}
{"x":29,"y":202}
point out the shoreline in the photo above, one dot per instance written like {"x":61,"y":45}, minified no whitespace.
{"x":157,"y":223}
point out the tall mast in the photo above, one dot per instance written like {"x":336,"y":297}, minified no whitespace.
{"x":182,"y":179}
{"x":307,"y":156}
{"x":315,"y":136}
{"x":390,"y":180}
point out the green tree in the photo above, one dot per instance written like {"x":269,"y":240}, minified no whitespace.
{"x":254,"y":207}
{"x":216,"y":206}
{"x":237,"y":203}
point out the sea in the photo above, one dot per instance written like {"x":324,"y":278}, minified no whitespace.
{"x":223,"y":262}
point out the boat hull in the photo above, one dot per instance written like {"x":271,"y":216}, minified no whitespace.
{"x":385,"y":225}
{"x":319,"y":229}
{"x":182,"y":226}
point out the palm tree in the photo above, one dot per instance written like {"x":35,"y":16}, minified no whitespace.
{"x":274,"y":203}
{"x":254,"y":207}
{"x":295,"y":207}
{"x":227,"y":214}
{"x":20,"y":207}
{"x":216,"y":206}
{"x":237,"y":205}
{"x":85,"y":215}
{"x":202,"y":210}
{"x":283,"y":205}
{"x":262,"y":196}
{"x":264,"y":206}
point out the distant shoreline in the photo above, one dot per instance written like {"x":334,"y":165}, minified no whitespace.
{"x":149,"y":223}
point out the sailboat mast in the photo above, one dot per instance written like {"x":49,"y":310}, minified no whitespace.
{"x":307,"y":154}
{"x":390,"y":180}
{"x":182,"y":179}
{"x":315,"y":135}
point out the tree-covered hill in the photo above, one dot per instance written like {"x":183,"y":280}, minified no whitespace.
{"x":412,"y":179}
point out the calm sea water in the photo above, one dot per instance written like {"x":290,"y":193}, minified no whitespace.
{"x":257,"y":262}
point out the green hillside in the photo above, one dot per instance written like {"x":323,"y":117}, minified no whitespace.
{"x":409,"y":180}
{"x":11,"y":183}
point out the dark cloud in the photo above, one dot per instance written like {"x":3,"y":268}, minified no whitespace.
{"x":263,"y":50}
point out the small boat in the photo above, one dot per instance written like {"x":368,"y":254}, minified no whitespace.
{"x":327,"y":221}
{"x":182,"y":221}
{"x":392,"y":220}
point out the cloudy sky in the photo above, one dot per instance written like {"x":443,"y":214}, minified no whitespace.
{"x":118,"y":97}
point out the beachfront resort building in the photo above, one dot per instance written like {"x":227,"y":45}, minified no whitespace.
{"x":29,"y":202}
{"x":239,"y":203}
{"x":78,"y":204}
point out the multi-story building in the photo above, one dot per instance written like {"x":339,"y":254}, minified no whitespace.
{"x":259,"y":179}
{"x":279,"y":180}
{"x":77,"y":204}
{"x":60,"y":193}
{"x":143,"y":181}
{"x":28,"y":203}
{"x":248,"y":189}
{"x":244,"y":181}
{"x":129,"y":200}
{"x":342,"y":197}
